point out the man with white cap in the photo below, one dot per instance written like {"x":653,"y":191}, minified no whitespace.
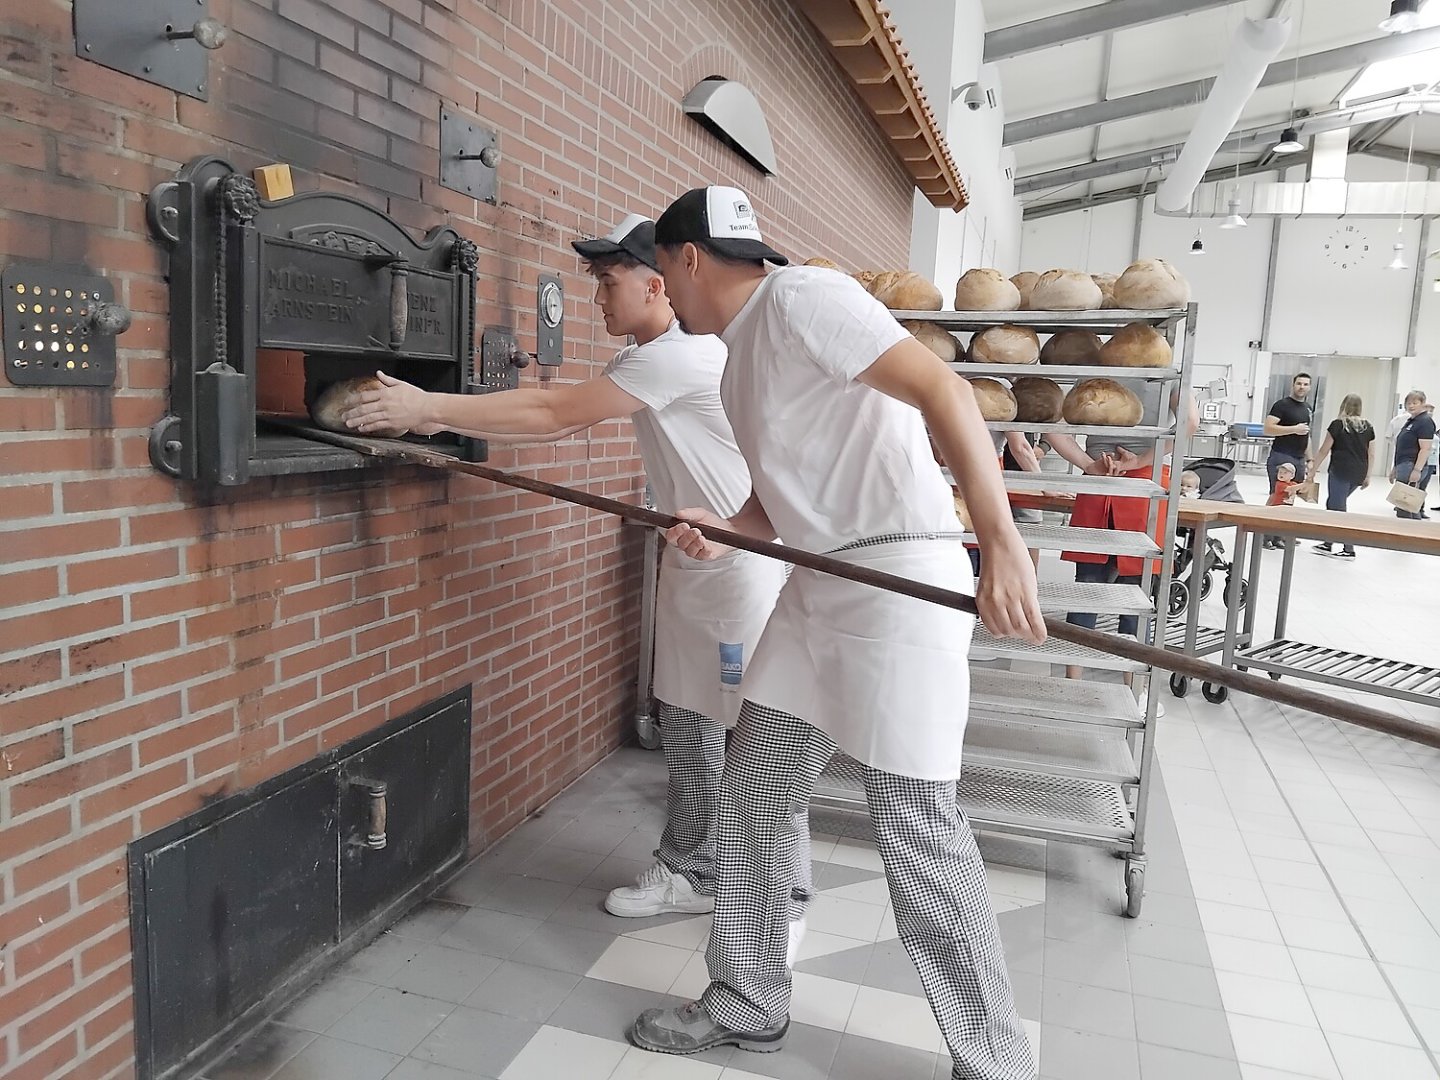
{"x":830,"y":400}
{"x":708,"y":614}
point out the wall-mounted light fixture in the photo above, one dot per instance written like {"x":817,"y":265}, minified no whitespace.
{"x":730,"y":112}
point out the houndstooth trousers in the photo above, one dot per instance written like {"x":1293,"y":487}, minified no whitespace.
{"x":937,"y":887}
{"x":694,"y":748}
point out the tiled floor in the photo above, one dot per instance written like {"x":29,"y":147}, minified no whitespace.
{"x":1291,"y":926}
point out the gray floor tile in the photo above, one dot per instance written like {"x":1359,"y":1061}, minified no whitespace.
{"x":1088,"y":1008}
{"x":606,"y":1011}
{"x":532,"y":897}
{"x":1022,"y":932}
{"x":1171,"y":909}
{"x":1101,"y":928}
{"x":415,"y":1069}
{"x":867,"y":1059}
{"x":891,"y":969}
{"x":1066,"y":1054}
{"x":1165,"y":979}
{"x":595,"y":836}
{"x":848,"y":965}
{"x":640,"y":844}
{"x":261,"y":1055}
{"x":391,"y":1020}
{"x":522,"y":991}
{"x":491,"y":933}
{"x":448,"y":974}
{"x":326,"y":1058}
{"x":1028,"y":990}
{"x":1183,"y":1027}
{"x":1092,"y":965}
{"x":563,"y":948}
{"x":1164,"y":1063}
{"x":585,"y":908}
{"x":808,"y":1055}
{"x":614,"y":871}
{"x":322,"y":1005}
{"x":561,"y":864}
{"x":838,"y":875}
{"x":1166,"y":942}
{"x":428,"y":921}
{"x":469,"y":1038}
{"x":471,"y":884}
{"x":378,"y":961}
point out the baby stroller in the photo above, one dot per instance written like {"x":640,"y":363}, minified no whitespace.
{"x":1217,"y":483}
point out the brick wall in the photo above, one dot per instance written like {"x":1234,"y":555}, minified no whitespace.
{"x":159,"y":649}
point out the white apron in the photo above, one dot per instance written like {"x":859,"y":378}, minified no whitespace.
{"x":885,"y":676}
{"x":708,"y":620}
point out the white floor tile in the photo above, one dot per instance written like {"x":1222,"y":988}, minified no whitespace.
{"x":1260,"y":1072}
{"x":857,"y":853}
{"x":1242,"y":922}
{"x":1298,"y":875}
{"x":1415,"y":985}
{"x":864,"y":892}
{"x":1306,"y":902}
{"x":1330,"y":971}
{"x":819,"y":943}
{"x":1282,"y":1046}
{"x":821,"y":1002}
{"x":1268,"y":999}
{"x":693,"y":979}
{"x":1410,"y":950}
{"x":894,"y":1018}
{"x":1428,"y":1021}
{"x":1365,"y":1059}
{"x":845,"y":918}
{"x":644,"y":965}
{"x":1342,"y":1013}
{"x":554,"y":1052}
{"x":1321,"y":935}
{"x":1251,"y":957}
{"x":640,"y":1064}
{"x":1222,"y":889}
{"x":888,"y":930}
{"x":1017,"y":882}
{"x":690,"y":934}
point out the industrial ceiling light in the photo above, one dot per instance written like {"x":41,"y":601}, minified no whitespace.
{"x":1404,"y":17}
{"x":1233,"y":220}
{"x":1289,"y":142}
{"x":1398,"y":262}
{"x":1197,"y":246}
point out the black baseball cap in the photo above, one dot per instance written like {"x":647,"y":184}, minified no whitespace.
{"x":635,"y":236}
{"x":721,"y":217}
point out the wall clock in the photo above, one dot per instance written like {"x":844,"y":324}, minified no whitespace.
{"x":1347,"y":247}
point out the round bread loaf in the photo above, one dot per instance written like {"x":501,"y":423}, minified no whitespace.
{"x":820,"y":260}
{"x":1005,"y":345}
{"x":1107,"y":289}
{"x":905,"y":290}
{"x":1065,"y":290}
{"x":984,"y":289}
{"x":336,"y":398}
{"x":1150,"y":284}
{"x":935,"y":338}
{"x":1102,"y":402}
{"x":995,"y":400}
{"x":1025,"y":283}
{"x":1136,"y":345}
{"x":1071,"y":347}
{"x":866,"y":278}
{"x":1038,"y":400}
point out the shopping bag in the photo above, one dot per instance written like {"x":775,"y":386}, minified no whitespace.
{"x":1309,"y":491}
{"x":1407,"y":498}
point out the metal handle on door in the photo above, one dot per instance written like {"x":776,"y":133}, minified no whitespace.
{"x":375,"y":794}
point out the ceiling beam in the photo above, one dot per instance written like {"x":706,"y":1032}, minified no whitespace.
{"x":1135,"y":191}
{"x":1398,"y":153}
{"x":1251,"y":138}
{"x":1328,"y":62}
{"x":1086,"y":23}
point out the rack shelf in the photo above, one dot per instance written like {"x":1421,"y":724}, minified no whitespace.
{"x":1065,"y":372}
{"x":1095,"y":596}
{"x":1071,"y":538}
{"x":1028,"y":698}
{"x":1138,"y":432}
{"x":1106,"y":320}
{"x":984,"y":646}
{"x":1086,"y":753}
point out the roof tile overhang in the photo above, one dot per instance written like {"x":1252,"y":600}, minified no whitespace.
{"x":867,"y":47}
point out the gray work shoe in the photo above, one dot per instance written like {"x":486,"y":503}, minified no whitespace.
{"x":689,"y":1030}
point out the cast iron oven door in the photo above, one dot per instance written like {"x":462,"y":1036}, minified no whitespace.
{"x":320,"y":274}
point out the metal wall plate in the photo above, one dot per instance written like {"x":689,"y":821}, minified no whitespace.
{"x":50,"y":336}
{"x":130,"y":37}
{"x":498,"y":351}
{"x":549,"y":320}
{"x":464,"y":141}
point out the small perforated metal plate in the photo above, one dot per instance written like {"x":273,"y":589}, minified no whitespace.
{"x":46,"y":318}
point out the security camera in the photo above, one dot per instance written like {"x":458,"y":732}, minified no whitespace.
{"x":972,"y":95}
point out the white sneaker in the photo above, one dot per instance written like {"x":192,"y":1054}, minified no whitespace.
{"x":797,"y":935}
{"x":657,"y":892}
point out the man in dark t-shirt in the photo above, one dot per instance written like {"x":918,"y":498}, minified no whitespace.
{"x":1412,"y":448}
{"x":1288,"y":424}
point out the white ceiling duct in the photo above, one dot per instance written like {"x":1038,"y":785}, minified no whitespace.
{"x":1256,"y":44}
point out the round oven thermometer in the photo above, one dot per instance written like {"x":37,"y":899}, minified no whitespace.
{"x":552,"y":304}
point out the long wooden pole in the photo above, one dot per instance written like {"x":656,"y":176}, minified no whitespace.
{"x":1128,"y":648}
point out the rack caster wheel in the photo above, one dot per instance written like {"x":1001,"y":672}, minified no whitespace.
{"x":1179,"y":598}
{"x":1179,"y":685}
{"x":650,"y":736}
{"x":1274,"y":675}
{"x":1238,"y":596}
{"x":1134,"y":888}
{"x":1215,"y":694}
{"x":1207,"y":582}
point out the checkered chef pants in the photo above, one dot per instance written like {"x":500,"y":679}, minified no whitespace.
{"x":937,"y":887}
{"x":694,"y":748}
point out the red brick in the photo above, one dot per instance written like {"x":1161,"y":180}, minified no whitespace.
{"x":188,"y":595}
{"x":27,"y":414}
{"x":47,"y":1063}
{"x":26,"y":755}
{"x":125,"y":647}
{"x":178,"y":670}
{"x":64,"y":936}
{"x":104,"y":880}
{"x":70,"y":699}
{"x":179,"y":805}
{"x":122,"y":570}
{"x":27,"y":501}
{"x":117,"y":493}
{"x":30,"y":916}
{"x":61,"y":1013}
{"x":125,"y":723}
{"x":228,"y":687}
{"x":184,"y":737}
{"x":70,"y":857}
{"x":28,"y":672}
{"x":32,"y":835}
{"x":53,"y":541}
{"x":138,"y":789}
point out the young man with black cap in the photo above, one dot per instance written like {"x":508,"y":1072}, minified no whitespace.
{"x":708,"y":614}
{"x":830,"y":400}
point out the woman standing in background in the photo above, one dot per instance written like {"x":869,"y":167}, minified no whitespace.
{"x":1352,"y":438}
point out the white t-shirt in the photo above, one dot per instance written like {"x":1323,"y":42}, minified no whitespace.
{"x":832,"y":460}
{"x":685,"y":440}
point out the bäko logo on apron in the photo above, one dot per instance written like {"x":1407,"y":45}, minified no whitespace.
{"x":732,"y":665}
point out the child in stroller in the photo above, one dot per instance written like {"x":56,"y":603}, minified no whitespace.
{"x":1215,"y":481}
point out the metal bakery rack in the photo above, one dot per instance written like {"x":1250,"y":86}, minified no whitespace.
{"x":1046,"y":757}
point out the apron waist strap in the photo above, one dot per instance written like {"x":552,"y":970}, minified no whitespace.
{"x":894,"y":538}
